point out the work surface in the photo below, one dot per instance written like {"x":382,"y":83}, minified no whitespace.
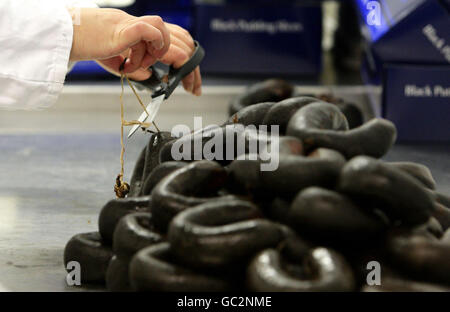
{"x":53,"y":186}
{"x":58,"y":168}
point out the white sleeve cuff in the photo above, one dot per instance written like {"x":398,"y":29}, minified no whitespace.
{"x":36,"y":41}
{"x":78,"y":4}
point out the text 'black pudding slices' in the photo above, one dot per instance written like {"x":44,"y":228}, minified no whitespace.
{"x":221,"y":233}
{"x":271,"y":90}
{"x":323,"y":125}
{"x":186,"y":187}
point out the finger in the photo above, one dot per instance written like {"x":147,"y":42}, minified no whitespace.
{"x":135,"y":58}
{"x":149,"y":59}
{"x":181,"y":44}
{"x":198,"y":82}
{"x":159,"y":24}
{"x":140,"y":74}
{"x":188,"y":82}
{"x":182,"y":34}
{"x":176,"y":57}
{"x":142,"y":31}
{"x":112,"y":64}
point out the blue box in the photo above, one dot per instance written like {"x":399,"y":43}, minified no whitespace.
{"x":408,"y":30}
{"x":417,"y":99}
{"x":408,"y":54}
{"x":268,"y":37}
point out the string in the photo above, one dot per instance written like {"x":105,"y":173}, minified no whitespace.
{"x":122,"y":188}
{"x":144,"y":125}
{"x":137,"y":95}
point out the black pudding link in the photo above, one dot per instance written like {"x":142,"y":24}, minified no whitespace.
{"x":134,"y":232}
{"x":251,"y":115}
{"x":420,"y":257}
{"x":198,"y":219}
{"x":287,"y":145}
{"x":136,"y":177}
{"x":295,"y":173}
{"x":148,"y":159}
{"x":322,"y":269}
{"x":271,"y":90}
{"x":153,"y":269}
{"x":418,"y":171}
{"x":323,"y":125}
{"x":115,"y":209}
{"x":352,"y":113}
{"x":91,"y":253}
{"x":154,"y":146}
{"x":158,"y":173}
{"x":117,"y":274}
{"x":204,"y":138}
{"x":186,"y":187}
{"x":442,"y":215}
{"x":221,"y":234}
{"x":280,"y":113}
{"x":327,"y":214}
{"x":244,"y":175}
{"x":401,"y":196}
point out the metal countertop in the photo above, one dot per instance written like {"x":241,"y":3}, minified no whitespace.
{"x":54,"y":184}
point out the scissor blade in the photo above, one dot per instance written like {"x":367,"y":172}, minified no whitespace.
{"x":141,"y":118}
{"x":152,"y":109}
{"x":154,"y":106}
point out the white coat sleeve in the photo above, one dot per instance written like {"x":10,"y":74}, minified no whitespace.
{"x":35,"y":44}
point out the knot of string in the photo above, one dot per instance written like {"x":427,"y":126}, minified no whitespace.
{"x":122,"y":188}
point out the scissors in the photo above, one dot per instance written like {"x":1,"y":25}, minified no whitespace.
{"x":163,"y":82}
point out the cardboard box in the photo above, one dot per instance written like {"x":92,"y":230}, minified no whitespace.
{"x":417,"y":99}
{"x":267,"y":37}
{"x":408,"y":54}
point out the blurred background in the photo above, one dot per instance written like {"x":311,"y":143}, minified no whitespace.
{"x":313,"y":44}
{"x":258,"y":39}
{"x":389,"y":57}
{"x":383,"y":55}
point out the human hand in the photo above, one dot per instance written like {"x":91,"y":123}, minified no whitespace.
{"x":181,"y":49}
{"x":110,"y":35}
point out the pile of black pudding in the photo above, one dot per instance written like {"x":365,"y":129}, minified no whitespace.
{"x":331,"y":209}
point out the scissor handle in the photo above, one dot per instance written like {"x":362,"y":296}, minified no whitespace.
{"x":175,"y":74}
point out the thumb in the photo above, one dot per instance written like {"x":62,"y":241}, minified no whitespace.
{"x":113,"y":63}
